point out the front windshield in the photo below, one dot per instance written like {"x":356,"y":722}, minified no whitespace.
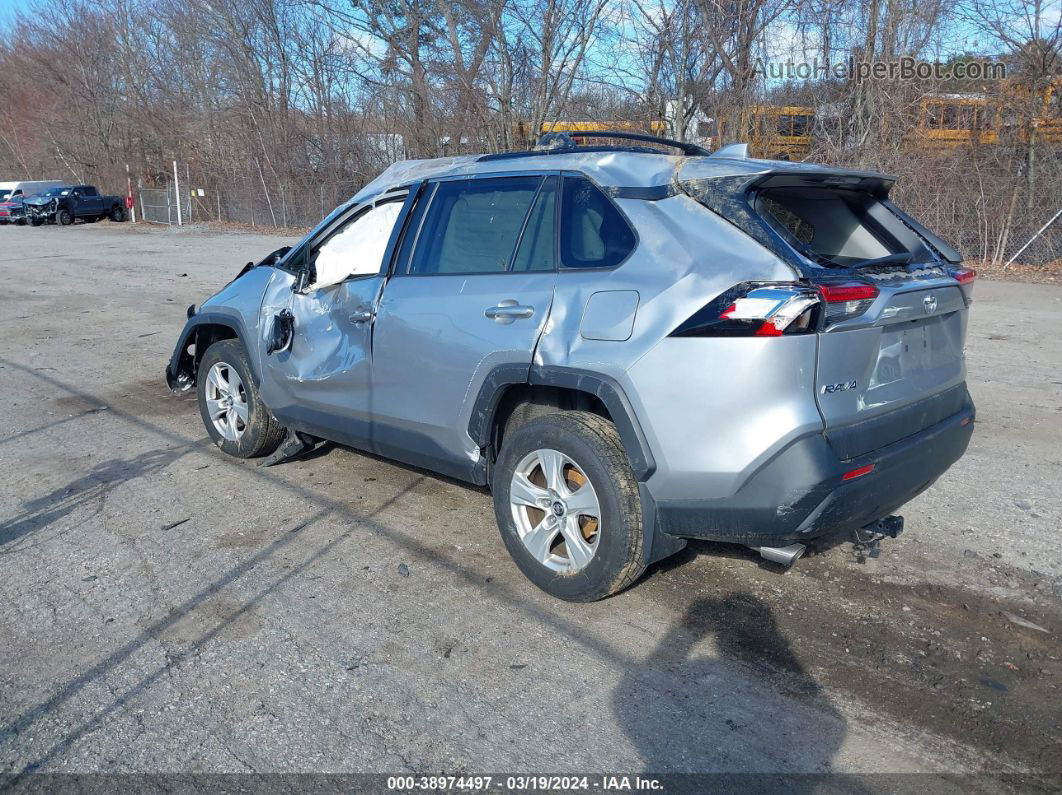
{"x":54,"y":192}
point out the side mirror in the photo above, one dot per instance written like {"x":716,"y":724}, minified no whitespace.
{"x":274,"y":257}
{"x":282,"y":333}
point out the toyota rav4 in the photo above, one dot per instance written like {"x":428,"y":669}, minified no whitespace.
{"x":629,"y":347}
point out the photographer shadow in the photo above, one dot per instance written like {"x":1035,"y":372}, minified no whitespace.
{"x":724,"y":693}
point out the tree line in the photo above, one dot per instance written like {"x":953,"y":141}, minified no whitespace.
{"x":283,"y":108}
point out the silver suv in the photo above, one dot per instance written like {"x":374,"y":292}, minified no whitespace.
{"x":630,"y":347}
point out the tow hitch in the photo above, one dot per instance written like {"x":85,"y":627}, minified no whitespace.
{"x":867,"y":539}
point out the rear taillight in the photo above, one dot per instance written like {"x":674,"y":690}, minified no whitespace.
{"x":965,"y":277}
{"x":847,"y":299}
{"x":756,"y":309}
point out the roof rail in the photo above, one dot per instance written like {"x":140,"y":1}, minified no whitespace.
{"x":563,"y":140}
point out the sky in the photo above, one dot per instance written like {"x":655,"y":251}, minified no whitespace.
{"x":8,"y":9}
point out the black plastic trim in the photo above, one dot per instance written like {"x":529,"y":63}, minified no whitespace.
{"x":609,"y":392}
{"x":606,"y":389}
{"x":800,"y":494}
{"x":652,"y":193}
{"x":860,"y":438}
{"x":490,"y":394}
{"x":183,"y":341}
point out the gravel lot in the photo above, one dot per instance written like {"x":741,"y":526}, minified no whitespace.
{"x":168,"y":609}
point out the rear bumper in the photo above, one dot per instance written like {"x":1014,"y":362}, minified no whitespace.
{"x":800,"y":494}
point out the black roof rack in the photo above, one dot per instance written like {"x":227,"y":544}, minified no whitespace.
{"x":645,"y":150}
{"x":552,"y":140}
{"x":562,"y":143}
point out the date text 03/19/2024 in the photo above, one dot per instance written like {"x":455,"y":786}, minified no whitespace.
{"x":522,"y":783}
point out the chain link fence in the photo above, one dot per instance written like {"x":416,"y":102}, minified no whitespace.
{"x":164,"y":205}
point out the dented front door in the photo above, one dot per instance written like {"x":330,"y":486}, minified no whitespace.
{"x":320,"y":381}
{"x":317,"y":368}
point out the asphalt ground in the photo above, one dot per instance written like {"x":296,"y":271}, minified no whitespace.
{"x":165,"y":609}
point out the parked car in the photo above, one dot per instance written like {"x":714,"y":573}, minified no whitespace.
{"x":21,"y":188}
{"x":630,"y":348}
{"x":65,"y":205}
{"x":12,"y":211}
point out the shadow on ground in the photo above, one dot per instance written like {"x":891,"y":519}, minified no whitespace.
{"x":705,"y":699}
{"x":88,"y":490}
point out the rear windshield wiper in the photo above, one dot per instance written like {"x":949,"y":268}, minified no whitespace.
{"x":903,"y":258}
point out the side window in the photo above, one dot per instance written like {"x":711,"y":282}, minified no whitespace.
{"x":357,"y":247}
{"x":472,"y":225}
{"x":593,"y":232}
{"x":538,"y":246}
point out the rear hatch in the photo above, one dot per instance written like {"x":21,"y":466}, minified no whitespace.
{"x":890,"y":353}
{"x":897,"y":369}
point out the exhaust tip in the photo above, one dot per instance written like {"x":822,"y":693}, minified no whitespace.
{"x":786,"y":556}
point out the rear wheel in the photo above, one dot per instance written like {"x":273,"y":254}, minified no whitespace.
{"x":117,"y":213}
{"x":568,"y":507}
{"x":234,"y":415}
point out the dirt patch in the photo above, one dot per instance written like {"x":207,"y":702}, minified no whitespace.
{"x":957,"y":662}
{"x":1048,"y":273}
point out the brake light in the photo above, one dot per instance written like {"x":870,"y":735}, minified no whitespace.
{"x":847,"y":291}
{"x":847,"y":299}
{"x":858,"y":472}
{"x":756,"y":309}
{"x":965,"y":277}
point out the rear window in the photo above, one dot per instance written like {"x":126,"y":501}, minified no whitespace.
{"x":842,"y":226}
{"x":594,"y":234}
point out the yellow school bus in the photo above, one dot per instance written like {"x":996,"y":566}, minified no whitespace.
{"x":775,"y":132}
{"x":779,"y":132}
{"x":1048,"y":122}
{"x":950,"y":120}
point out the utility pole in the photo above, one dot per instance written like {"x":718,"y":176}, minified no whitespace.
{"x":177,"y":192}
{"x":129,"y":193}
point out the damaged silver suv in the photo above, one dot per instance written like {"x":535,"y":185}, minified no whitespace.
{"x":630,"y":347}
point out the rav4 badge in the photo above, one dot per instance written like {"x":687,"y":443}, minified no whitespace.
{"x":829,"y":389}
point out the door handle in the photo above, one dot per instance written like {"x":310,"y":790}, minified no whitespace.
{"x":508,"y":310}
{"x":360,"y":316}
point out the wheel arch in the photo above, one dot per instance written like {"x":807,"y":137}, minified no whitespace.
{"x":200,"y":332}
{"x":508,"y":387}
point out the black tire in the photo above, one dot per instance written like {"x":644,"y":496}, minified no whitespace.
{"x":262,"y":434}
{"x":593,"y":443}
{"x":64,"y":217}
{"x":117,"y":214}
{"x":36,"y":222}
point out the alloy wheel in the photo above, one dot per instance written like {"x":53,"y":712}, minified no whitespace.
{"x":556,"y":510}
{"x":226,"y":399}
